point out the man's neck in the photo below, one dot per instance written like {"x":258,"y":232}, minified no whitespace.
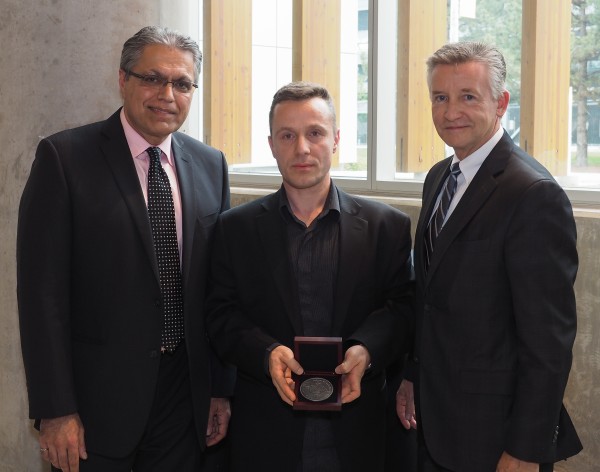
{"x":308,"y":203}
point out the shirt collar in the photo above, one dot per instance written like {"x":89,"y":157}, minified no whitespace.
{"x":332,"y":204}
{"x":138,"y":145}
{"x":471,"y":164}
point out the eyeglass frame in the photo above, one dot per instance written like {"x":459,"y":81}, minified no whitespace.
{"x":161,"y":81}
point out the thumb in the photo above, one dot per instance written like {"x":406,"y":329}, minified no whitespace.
{"x":82,"y":448}
{"x":342,"y":368}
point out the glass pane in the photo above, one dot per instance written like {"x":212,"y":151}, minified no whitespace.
{"x":585,"y":86}
{"x":386,"y":84}
{"x":488,"y":21}
{"x":271,"y":69}
{"x":354,"y":85}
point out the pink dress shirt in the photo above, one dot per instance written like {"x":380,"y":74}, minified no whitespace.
{"x":138,"y":146}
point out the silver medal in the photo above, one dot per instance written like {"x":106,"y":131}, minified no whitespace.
{"x":316,"y":389}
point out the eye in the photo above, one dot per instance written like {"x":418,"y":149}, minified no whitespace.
{"x":315,"y":133}
{"x":439,"y":99}
{"x":182,"y":86}
{"x":469,"y":97}
{"x":152,"y":80}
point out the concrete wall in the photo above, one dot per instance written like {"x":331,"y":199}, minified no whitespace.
{"x":58,"y":69}
{"x":583,"y":391}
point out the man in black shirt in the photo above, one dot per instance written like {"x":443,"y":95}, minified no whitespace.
{"x":309,"y":260}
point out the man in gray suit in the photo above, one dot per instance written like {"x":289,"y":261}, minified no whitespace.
{"x":119,"y":372}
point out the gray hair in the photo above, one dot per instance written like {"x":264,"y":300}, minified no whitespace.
{"x":298,"y":91}
{"x":462,"y":52}
{"x":149,"y":35}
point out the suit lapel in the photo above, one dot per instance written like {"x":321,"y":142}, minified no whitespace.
{"x":273,"y":238}
{"x":480,"y":189}
{"x":352,"y":243}
{"x":187,"y":187}
{"x":482,"y":186}
{"x":116,"y":152}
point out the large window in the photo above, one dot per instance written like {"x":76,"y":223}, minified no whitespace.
{"x":388,"y":142}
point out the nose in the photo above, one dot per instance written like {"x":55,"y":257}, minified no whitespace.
{"x":453,"y":110}
{"x":165,"y":92}
{"x":302,"y":145}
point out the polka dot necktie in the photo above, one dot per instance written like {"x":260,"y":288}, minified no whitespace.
{"x":437,"y":220}
{"x":162,"y":220}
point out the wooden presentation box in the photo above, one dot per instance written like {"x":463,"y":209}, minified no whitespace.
{"x":319,"y":387}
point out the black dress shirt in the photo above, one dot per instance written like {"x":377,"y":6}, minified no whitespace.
{"x":313,"y":253}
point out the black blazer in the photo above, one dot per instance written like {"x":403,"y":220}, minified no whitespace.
{"x":251,"y":307}
{"x":88,"y":289}
{"x":496,"y":317}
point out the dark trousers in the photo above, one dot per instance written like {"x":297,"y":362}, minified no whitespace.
{"x":427,"y":464}
{"x":170,"y":442}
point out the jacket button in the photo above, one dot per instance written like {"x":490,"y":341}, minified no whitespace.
{"x":157,"y":303}
{"x":153,"y":354}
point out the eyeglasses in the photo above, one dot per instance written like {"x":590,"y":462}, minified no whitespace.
{"x":158,"y":81}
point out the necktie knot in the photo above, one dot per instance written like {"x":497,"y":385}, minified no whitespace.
{"x":154,"y":153}
{"x":455,"y":169}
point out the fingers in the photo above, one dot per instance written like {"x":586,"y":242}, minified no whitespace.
{"x":70,"y":457}
{"x":44,"y":451}
{"x":219,"y":414}
{"x":350,"y":387}
{"x":405,"y":405}
{"x":281,"y":366}
{"x":282,"y":357}
{"x":356,"y":362}
{"x":63,"y":458}
{"x":218,"y":431}
{"x":285,"y":387}
{"x":508,"y":463}
{"x":82,"y":453}
{"x":356,"y":357}
{"x":62,"y":442}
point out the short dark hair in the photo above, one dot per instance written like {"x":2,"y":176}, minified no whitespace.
{"x":470,"y":51}
{"x":134,"y":46}
{"x":298,"y":91}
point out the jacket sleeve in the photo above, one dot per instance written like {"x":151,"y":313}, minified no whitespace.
{"x":222,"y":373}
{"x":541,"y":261}
{"x":43,"y":281}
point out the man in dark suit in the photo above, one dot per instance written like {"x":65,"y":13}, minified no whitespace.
{"x":308,"y":260}
{"x":111,"y":379}
{"x":495,"y":262}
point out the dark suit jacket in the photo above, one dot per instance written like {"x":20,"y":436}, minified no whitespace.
{"x":88,"y":290}
{"x":496,"y":317}
{"x":251,"y":307}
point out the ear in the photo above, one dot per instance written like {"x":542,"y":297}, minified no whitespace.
{"x":270,"y":138}
{"x":502,"y":104}
{"x":122,"y":78}
{"x":336,"y":140}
